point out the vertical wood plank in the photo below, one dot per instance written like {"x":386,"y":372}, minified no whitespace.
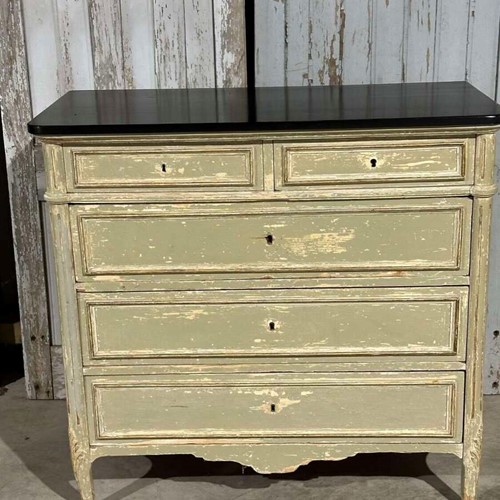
{"x":106,"y":39}
{"x":138,"y":44}
{"x":40,"y":19}
{"x":229,"y":35}
{"x":58,"y":49}
{"x":199,"y":40}
{"x":297,"y":50}
{"x":358,"y":42}
{"x":388,"y":36}
{"x":270,"y":43}
{"x":326,"y":42}
{"x":170,"y":50}
{"x":482,"y":45}
{"x":16,"y":112}
{"x":74,"y":52}
{"x":421,"y":32}
{"x":450,"y":51}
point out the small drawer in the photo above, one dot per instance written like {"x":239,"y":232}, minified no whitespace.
{"x":424,"y":235}
{"x":428,"y":323}
{"x":323,"y":164}
{"x":207,"y":167}
{"x":395,"y":407}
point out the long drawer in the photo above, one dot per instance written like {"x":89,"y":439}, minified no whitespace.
{"x":186,"y":167}
{"x":321,"y":164}
{"x":427,"y":323}
{"x":396,"y":407}
{"x":373,"y":236}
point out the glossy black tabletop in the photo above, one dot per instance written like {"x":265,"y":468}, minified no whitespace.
{"x":269,"y":108}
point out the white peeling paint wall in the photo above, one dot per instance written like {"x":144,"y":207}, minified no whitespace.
{"x":105,"y":44}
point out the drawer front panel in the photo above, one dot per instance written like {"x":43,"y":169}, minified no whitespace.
{"x":187,"y":167}
{"x":358,"y":322}
{"x":326,"y":163}
{"x":395,"y":406}
{"x":367,"y":236}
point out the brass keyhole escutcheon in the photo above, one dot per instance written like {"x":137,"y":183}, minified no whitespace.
{"x":163,"y":167}
{"x":373,"y":162}
{"x":269,"y":239}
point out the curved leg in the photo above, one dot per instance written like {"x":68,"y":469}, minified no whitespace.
{"x":84,"y":479}
{"x":82,"y":468}
{"x":471,"y":460}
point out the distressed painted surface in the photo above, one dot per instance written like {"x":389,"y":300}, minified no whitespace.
{"x":16,"y":111}
{"x":106,"y":42}
{"x":416,"y":402}
{"x":50,"y":262}
{"x":492,"y":346}
{"x":229,"y":43}
{"x":270,"y":44}
{"x":175,"y":166}
{"x":388,"y":41}
{"x":420,"y":27}
{"x":56,"y":357}
{"x":73,"y":374}
{"x":138,"y":44}
{"x":311,"y":163}
{"x":356,"y":42}
{"x":322,"y":42}
{"x":380,"y":322}
{"x":85,"y":44}
{"x":200,"y":56}
{"x":473,"y":430}
{"x":403,"y":408}
{"x":427,"y":235}
{"x":287,"y":457}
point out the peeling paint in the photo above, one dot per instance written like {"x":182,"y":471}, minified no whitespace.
{"x":319,"y":243}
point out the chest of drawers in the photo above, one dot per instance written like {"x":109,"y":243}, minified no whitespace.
{"x":280,"y":293}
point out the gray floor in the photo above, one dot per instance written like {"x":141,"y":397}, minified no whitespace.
{"x":35,"y":464}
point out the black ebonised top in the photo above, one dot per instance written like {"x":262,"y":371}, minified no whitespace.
{"x":270,"y":108}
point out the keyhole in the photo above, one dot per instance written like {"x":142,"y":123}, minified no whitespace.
{"x":373,"y":161}
{"x":163,"y":167}
{"x":273,"y":408}
{"x":269,"y":239}
{"x":272,"y":325}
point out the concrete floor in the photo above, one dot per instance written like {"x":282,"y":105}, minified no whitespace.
{"x":35,"y":464}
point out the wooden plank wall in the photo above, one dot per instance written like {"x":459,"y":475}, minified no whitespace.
{"x":200,"y":43}
{"x":16,"y":111}
{"x":117,"y":44}
{"x":321,"y":42}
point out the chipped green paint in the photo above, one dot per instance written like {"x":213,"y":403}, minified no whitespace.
{"x":428,"y":323}
{"x":331,"y":236}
